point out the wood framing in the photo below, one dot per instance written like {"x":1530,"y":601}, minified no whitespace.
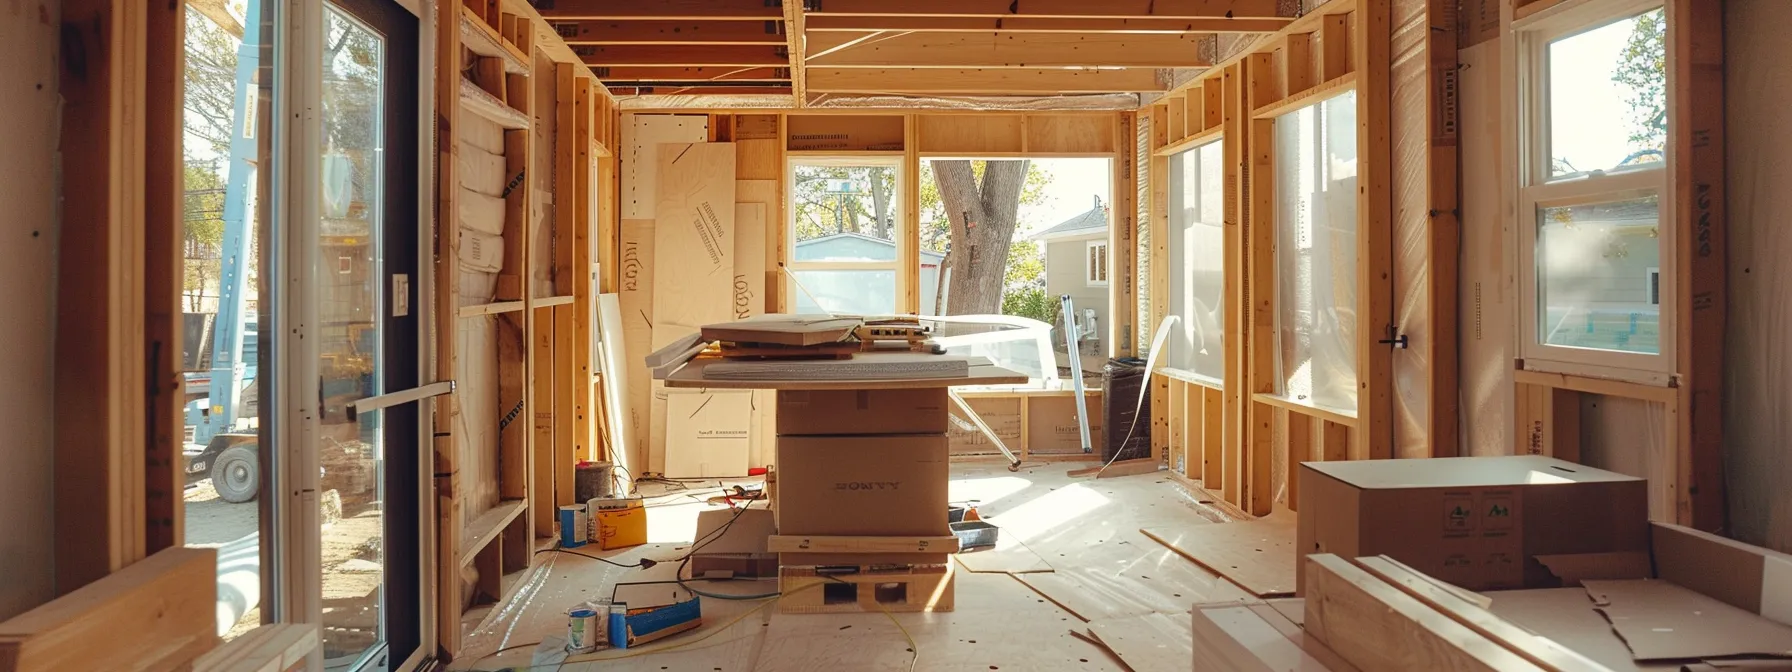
{"x":156,"y":614}
{"x":822,"y":22}
{"x":1068,"y":9}
{"x":164,"y":254}
{"x":979,"y":81}
{"x":1375,"y":626}
{"x":999,"y":50}
{"x":1123,"y":245}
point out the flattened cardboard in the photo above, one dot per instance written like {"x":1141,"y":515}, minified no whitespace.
{"x":1566,"y":615}
{"x":1659,"y":620}
{"x":1573,"y":569}
{"x":883,"y":411}
{"x":1001,"y":414}
{"x":1476,"y":522}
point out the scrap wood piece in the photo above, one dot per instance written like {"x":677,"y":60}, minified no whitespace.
{"x":275,"y":647}
{"x":158,"y":613}
{"x":1376,"y":627}
{"x":1149,"y":642}
{"x":1245,"y":638}
{"x":1008,"y":557}
{"x":1660,"y":620}
{"x":1258,"y":555}
{"x":1144,"y":465}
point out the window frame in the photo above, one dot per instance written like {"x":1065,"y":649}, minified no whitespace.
{"x":1089,"y":268}
{"x":1175,"y":261}
{"x":898,"y":230}
{"x":1533,"y":189}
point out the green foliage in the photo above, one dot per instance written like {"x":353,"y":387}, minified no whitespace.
{"x":1032,"y":302}
{"x":203,"y":219}
{"x":870,"y":211}
{"x":1642,"y":70}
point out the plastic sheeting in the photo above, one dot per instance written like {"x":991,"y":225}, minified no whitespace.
{"x":1410,"y":125}
{"x":1757,"y":352}
{"x":1197,"y":257}
{"x":1110,"y":101}
{"x":1316,"y":253}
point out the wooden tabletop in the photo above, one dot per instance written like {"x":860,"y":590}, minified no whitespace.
{"x":692,"y":376}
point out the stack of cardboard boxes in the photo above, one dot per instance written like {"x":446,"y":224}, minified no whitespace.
{"x":863,"y":464}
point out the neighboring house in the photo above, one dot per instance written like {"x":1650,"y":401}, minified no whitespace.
{"x":825,"y":266}
{"x":1076,"y":263}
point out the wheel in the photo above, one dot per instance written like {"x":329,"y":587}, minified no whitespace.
{"x":236,"y":474}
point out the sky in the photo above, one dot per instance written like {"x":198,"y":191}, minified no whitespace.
{"x":1075,"y":184}
{"x":1589,"y":118}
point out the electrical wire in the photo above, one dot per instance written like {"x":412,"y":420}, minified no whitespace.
{"x":643,"y":563}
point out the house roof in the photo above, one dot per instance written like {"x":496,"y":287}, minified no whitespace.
{"x":854,"y":239}
{"x":1095,"y":220}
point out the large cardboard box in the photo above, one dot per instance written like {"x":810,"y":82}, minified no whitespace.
{"x":1002,"y":414}
{"x":819,"y":412}
{"x":1052,"y":425}
{"x":1476,"y":522}
{"x":890,"y":485}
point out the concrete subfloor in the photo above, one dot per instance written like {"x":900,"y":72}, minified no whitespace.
{"x":1086,"y":530}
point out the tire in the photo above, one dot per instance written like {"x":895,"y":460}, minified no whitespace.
{"x":236,"y":474}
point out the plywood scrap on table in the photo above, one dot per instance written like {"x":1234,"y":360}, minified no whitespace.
{"x":1258,"y":555}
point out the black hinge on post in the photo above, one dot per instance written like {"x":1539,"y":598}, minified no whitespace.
{"x":1399,"y":342}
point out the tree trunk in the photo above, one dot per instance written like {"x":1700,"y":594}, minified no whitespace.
{"x":880,"y":205}
{"x":983,"y":217}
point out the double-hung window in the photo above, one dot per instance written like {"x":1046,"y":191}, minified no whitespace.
{"x":1593,"y":193}
{"x":845,"y":224}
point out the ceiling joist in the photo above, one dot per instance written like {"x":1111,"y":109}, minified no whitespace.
{"x":631,"y":90}
{"x":1067,"y":9}
{"x":970,"y":50}
{"x":947,"y":24}
{"x":976,"y":81}
{"x":669,"y":10}
{"x":652,"y":73}
{"x":687,"y":31}
{"x":795,"y":27}
{"x":683,"y":55}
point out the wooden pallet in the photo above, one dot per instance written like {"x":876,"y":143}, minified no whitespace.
{"x":911,"y":589}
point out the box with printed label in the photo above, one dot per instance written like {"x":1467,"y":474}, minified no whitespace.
{"x":891,"y":485}
{"x":1476,"y":522}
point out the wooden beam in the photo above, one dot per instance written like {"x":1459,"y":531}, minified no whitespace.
{"x":1236,"y":155}
{"x":270,"y":648}
{"x":667,"y":10}
{"x":1123,"y":238}
{"x":800,"y":544}
{"x":156,"y":614}
{"x":670,"y":32}
{"x":447,"y":299}
{"x":798,"y":50}
{"x":981,"y":80}
{"x":1253,"y":450}
{"x":637,"y":89}
{"x":683,"y":55}
{"x":1533,"y":647}
{"x":1066,"y":9}
{"x":1696,"y":146}
{"x":1443,"y":245}
{"x":578,"y":237}
{"x":1019,"y":50}
{"x":1375,"y":626}
{"x":100,"y":377}
{"x":829,"y":23}
{"x":1374,"y":287}
{"x":164,"y":257}
{"x":652,"y":73}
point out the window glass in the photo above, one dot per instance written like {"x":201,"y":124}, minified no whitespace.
{"x":853,"y":292}
{"x":1197,"y":261}
{"x":1597,"y":275}
{"x":1316,"y":249}
{"x":845,"y":212}
{"x":1598,"y":77}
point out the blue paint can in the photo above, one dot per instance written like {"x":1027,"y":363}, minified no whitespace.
{"x":572,"y":526}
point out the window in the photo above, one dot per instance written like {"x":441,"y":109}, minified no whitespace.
{"x":1096,"y":266}
{"x":1593,"y":126}
{"x":845,"y":224}
{"x":1316,"y":253}
{"x":1197,"y":245}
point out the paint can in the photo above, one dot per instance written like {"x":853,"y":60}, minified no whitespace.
{"x":582,"y":631}
{"x":572,"y":526}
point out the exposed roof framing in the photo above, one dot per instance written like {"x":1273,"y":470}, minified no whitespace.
{"x":662,"y":31}
{"x":653,"y":73}
{"x":795,"y":20}
{"x":1068,"y":9}
{"x":981,"y":82}
{"x":961,"y":24}
{"x":683,"y":55}
{"x":672,"y":10}
{"x":1001,"y":50}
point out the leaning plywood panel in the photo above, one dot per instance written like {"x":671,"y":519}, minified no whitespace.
{"x":641,"y":137}
{"x":618,"y":378}
{"x":693,"y":233}
{"x":636,"y":303}
{"x":749,"y":300}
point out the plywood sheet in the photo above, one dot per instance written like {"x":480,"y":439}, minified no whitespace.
{"x":694,"y":233}
{"x":749,"y":260}
{"x":1093,"y":597}
{"x":640,"y":160}
{"x":1148,"y":642}
{"x":1009,"y":556}
{"x":1257,"y":555}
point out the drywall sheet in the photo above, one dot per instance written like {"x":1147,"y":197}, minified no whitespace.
{"x":636,"y":303}
{"x":694,"y":234}
{"x":707,"y":433}
{"x":476,"y":371}
{"x":1410,"y":126}
{"x":640,"y":160}
{"x":1485,"y":296}
{"x":749,"y":260}
{"x":1757,"y":355}
{"x":618,"y":380}
{"x":764,"y":191}
{"x":1257,"y":555}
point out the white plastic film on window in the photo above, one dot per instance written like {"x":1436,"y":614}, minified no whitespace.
{"x":1197,"y":261}
{"x":1316,"y":253}
{"x":1598,"y":278}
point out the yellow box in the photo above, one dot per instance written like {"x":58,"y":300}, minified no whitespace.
{"x":621,"y":528}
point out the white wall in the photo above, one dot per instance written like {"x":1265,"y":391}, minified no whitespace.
{"x":29,"y":214}
{"x":1757,"y":350}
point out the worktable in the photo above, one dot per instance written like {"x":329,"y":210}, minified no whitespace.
{"x":861,"y":506}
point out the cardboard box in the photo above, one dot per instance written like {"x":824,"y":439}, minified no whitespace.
{"x":737,"y":546}
{"x":892,"y":485}
{"x":1052,"y":426}
{"x":817,"y":412}
{"x":1002,"y":414}
{"x":652,"y":611}
{"x":1476,"y":522}
{"x":707,"y":433}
